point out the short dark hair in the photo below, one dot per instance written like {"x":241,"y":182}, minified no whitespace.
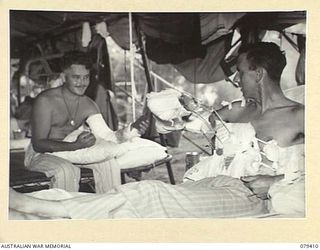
{"x":76,"y":57}
{"x":266,"y":55}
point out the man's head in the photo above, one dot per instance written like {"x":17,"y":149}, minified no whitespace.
{"x":267,"y":56}
{"x":259,"y":62}
{"x":76,"y":69}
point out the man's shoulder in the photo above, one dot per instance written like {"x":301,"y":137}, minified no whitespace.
{"x":240,"y":112}
{"x":88,"y":102}
{"x":49,"y":93}
{"x":88,"y":105}
{"x":299,"y":112}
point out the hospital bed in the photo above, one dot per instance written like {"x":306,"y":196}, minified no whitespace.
{"x":24,"y":180}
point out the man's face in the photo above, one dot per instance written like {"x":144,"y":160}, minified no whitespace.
{"x":77,"y":78}
{"x":246,"y":77}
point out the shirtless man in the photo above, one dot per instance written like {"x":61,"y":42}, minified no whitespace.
{"x":59,"y":111}
{"x":272,"y":115}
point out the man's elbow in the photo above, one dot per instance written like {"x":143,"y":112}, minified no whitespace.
{"x":37,"y":147}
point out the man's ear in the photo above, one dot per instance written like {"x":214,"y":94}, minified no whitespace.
{"x":63,"y":76}
{"x":259,"y":74}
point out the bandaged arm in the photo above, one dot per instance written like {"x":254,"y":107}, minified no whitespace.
{"x":100,"y":129}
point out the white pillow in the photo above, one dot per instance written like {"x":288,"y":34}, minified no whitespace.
{"x":102,"y":150}
{"x":141,"y":152}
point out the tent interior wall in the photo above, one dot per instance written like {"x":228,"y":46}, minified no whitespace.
{"x":194,"y":46}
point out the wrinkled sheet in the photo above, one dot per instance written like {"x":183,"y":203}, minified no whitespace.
{"x":220,"y":197}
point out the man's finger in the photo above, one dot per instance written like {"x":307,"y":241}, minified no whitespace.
{"x":143,"y":123}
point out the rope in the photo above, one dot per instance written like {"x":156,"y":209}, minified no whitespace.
{"x":133,"y":92}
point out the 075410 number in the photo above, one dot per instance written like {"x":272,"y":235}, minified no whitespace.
{"x":309,"y":246}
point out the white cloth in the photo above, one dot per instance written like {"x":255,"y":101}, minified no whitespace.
{"x":86,"y":34}
{"x":106,"y":175}
{"x":288,"y":197}
{"x":166,"y":106}
{"x":100,"y":129}
{"x":101,"y":29}
{"x":247,"y":160}
{"x":141,"y":152}
{"x":241,"y":156}
{"x":102,"y":150}
{"x":296,"y":93}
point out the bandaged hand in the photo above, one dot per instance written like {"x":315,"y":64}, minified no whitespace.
{"x":188,"y":103}
{"x":85,"y":140}
{"x":260,"y":184}
{"x":141,"y":124}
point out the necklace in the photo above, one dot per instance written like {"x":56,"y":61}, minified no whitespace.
{"x":72,"y":120}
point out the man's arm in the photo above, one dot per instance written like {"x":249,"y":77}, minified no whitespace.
{"x":237,"y":113}
{"x":41,"y":126}
{"x":260,"y":184}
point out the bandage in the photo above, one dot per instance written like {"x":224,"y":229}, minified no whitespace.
{"x":99,"y":128}
{"x":166,"y":105}
{"x":271,"y":150}
{"x":229,"y":104}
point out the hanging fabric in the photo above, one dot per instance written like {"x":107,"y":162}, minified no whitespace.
{"x":208,"y":69}
{"x":102,"y":30}
{"x":215,"y":25}
{"x":151,"y":131}
{"x":119,"y":31}
{"x":100,"y":81}
{"x":86,"y":34}
{"x":168,"y":44}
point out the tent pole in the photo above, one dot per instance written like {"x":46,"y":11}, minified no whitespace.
{"x":151,"y":131}
{"x":144,"y":58}
{"x":133,"y":89}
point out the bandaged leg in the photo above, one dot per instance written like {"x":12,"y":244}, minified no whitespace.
{"x":106,"y":175}
{"x":65,"y":175}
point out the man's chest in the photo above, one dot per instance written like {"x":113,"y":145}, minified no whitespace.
{"x":66,"y":117}
{"x":281,"y":128}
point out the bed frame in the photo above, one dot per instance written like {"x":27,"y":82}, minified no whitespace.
{"x":25,"y":181}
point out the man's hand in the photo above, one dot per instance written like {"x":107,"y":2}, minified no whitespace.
{"x":212,"y":120}
{"x":141,"y":124}
{"x":260,"y":184}
{"x":188,"y":102}
{"x":85,"y":140}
